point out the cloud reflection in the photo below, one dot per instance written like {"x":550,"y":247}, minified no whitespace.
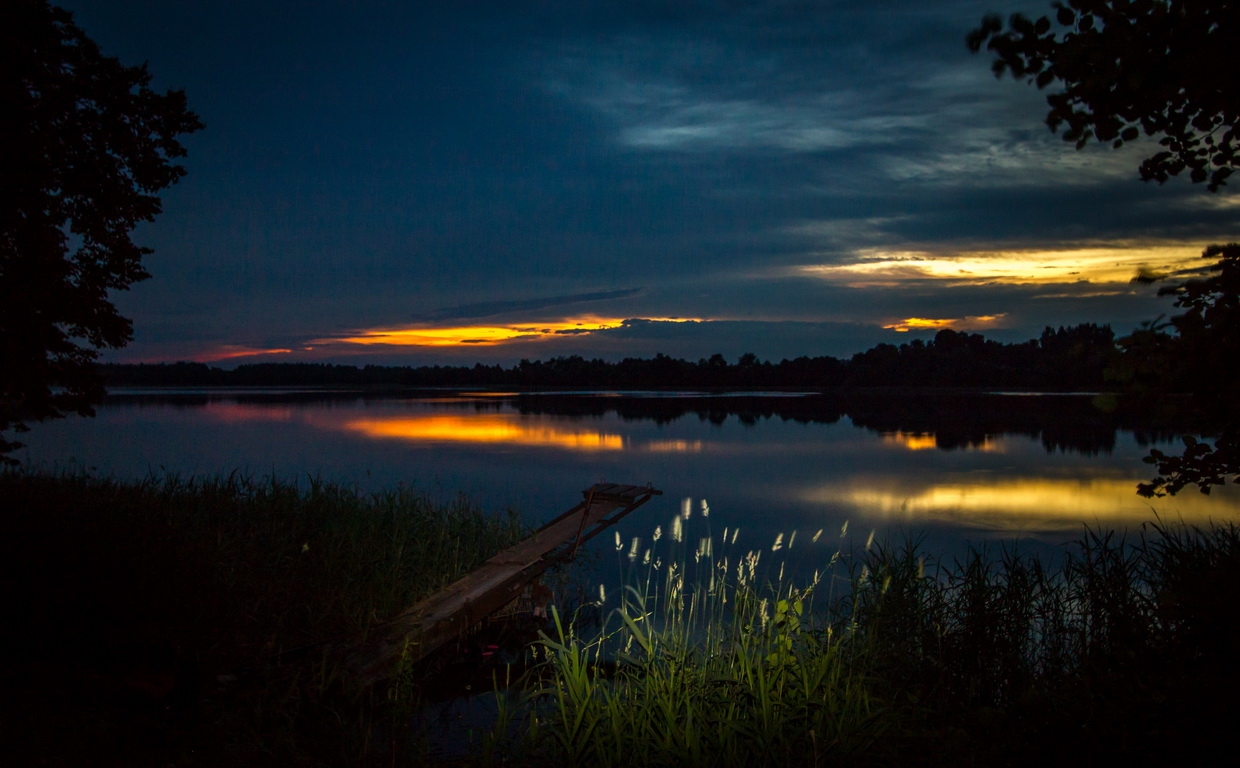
{"x":1018,"y":504}
{"x":508,"y":429}
{"x":922,"y":441}
{"x":474,"y":428}
{"x":490,"y":335}
{"x":499,"y":428}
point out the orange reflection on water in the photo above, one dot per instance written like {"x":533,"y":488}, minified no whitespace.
{"x":914,"y":441}
{"x":922,"y":441}
{"x":233,"y":413}
{"x":674,"y":446}
{"x":487,"y":428}
{"x":1042,"y":503}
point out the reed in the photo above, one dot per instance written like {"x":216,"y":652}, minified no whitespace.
{"x":227,"y":599}
{"x":704,"y":659}
{"x":185,"y":619}
{"x":1125,"y":648}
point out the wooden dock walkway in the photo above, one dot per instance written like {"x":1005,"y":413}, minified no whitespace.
{"x":418,"y":631}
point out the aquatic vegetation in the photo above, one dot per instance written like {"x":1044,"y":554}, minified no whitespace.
{"x":1124,"y":647}
{"x":197,"y":619}
{"x":242,"y":589}
{"x":701,"y":661}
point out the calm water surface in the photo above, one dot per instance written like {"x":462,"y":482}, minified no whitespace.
{"x":973,"y":469}
{"x":1023,"y":471}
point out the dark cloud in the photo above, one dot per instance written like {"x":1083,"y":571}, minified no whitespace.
{"x":365,"y":163}
{"x":494,"y":308}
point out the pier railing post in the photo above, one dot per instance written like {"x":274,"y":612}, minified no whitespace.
{"x":585,"y":512}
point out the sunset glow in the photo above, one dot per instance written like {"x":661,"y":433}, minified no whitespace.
{"x":237,"y":413}
{"x":486,"y":335}
{"x":507,"y":429}
{"x":674,"y":446}
{"x":1047,"y":503}
{"x":1118,"y":264}
{"x":497,"y":428}
{"x":980,"y":322}
{"x":924,"y":441}
{"x":913,"y":441}
{"x":232,"y":351}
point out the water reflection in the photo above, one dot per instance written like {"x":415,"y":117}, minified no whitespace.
{"x":230,"y":413}
{"x":1095,"y":496}
{"x":957,"y":466}
{"x":924,"y":441}
{"x":507,"y":429}
{"x":674,"y":446}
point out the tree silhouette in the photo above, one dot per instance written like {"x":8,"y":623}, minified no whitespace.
{"x":1129,"y":67}
{"x":1158,"y":364}
{"x":1166,"y":69}
{"x":85,"y":145}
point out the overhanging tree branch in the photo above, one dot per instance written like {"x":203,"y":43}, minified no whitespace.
{"x":85,"y":148}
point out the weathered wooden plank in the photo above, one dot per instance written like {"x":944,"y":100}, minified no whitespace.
{"x":421,"y":629}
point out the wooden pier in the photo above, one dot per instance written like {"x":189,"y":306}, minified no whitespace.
{"x":418,"y":631}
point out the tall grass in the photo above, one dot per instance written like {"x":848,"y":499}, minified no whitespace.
{"x":225,"y":598}
{"x":192,"y":620}
{"x":703,"y":661}
{"x":1126,"y":649}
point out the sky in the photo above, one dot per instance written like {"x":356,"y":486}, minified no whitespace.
{"x":415,"y":183}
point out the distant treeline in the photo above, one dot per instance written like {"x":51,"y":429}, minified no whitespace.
{"x":1063,"y":359}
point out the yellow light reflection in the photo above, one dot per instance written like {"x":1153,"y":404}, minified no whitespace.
{"x":495,"y":428}
{"x":1114,"y":264}
{"x":914,"y":441}
{"x":923,"y":441}
{"x":1023,"y":503}
{"x":487,"y":335}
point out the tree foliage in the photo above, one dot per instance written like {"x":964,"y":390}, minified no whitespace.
{"x":1128,"y":67}
{"x":1167,"y":69}
{"x":1190,"y":354}
{"x":1063,"y":359}
{"x":85,"y":146}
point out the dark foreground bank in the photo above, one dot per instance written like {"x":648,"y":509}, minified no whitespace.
{"x":183,"y":622}
{"x":192,"y":622}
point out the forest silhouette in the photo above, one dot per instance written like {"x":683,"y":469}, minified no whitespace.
{"x":1061,"y":360}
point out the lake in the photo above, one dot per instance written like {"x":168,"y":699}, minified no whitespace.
{"x":957,"y":470}
{"x":1028,"y":471}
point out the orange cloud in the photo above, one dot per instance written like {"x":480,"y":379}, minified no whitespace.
{"x":483,"y":335}
{"x":969,"y":323}
{"x":230,"y":351}
{"x":1105,"y":263}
